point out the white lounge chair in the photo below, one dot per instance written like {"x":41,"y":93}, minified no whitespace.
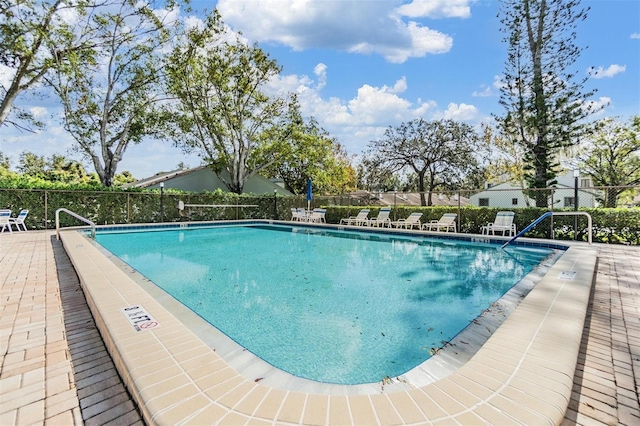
{"x":318,"y":215}
{"x":382,"y":219}
{"x":17,"y":221}
{"x":5,"y":215}
{"x":299,"y":214}
{"x":502,"y":223}
{"x":360,"y":219}
{"x":446,"y":222}
{"x":408,"y":223}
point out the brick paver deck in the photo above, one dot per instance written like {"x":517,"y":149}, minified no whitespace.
{"x":55,"y":369}
{"x":54,"y":366}
{"x":607,"y":380}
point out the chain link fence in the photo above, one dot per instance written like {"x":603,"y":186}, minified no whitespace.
{"x":474,"y":209}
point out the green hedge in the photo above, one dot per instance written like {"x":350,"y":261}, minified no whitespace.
{"x":619,"y":226}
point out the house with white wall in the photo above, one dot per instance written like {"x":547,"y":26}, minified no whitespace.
{"x":511,"y":195}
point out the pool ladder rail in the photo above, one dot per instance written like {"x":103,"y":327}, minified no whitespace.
{"x":549,"y":214}
{"x":77,"y":216}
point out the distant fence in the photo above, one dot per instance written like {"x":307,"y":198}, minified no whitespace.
{"x":474,"y":208}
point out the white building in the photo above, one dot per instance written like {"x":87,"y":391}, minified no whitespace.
{"x":510,"y":195}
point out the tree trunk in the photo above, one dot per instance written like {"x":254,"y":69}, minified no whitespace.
{"x":540,"y":182}
{"x":7,"y":102}
{"x":421,"y":187}
{"x":611,"y":197}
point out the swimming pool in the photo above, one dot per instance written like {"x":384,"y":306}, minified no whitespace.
{"x":331,"y":306}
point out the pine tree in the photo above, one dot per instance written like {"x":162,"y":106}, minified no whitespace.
{"x":543,"y":99}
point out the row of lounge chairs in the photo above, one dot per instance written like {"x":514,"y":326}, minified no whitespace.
{"x":503,"y":222}
{"x":383,"y":220}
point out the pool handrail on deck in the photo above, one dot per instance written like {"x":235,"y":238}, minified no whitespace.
{"x":551,"y":214}
{"x":77,"y":216}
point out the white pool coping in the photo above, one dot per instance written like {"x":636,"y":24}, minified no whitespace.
{"x":522,"y":374}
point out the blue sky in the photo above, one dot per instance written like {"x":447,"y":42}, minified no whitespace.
{"x":360,"y":66}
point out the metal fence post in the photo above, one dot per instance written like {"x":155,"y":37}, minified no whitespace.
{"x":553,"y":204}
{"x":459,"y":211}
{"x":46,"y":216}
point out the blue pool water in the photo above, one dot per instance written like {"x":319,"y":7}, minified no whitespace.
{"x":331,"y":306}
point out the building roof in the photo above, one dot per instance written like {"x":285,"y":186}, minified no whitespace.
{"x":409,"y":198}
{"x":203,"y":178}
{"x":161,"y":177}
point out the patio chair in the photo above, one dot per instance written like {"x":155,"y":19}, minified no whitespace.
{"x":360,"y":219}
{"x":502,"y":223}
{"x":5,"y":215}
{"x":382,"y":219}
{"x":410,"y":222}
{"x":446,"y":222}
{"x":318,"y":216}
{"x":17,"y":221}
{"x":298,"y":214}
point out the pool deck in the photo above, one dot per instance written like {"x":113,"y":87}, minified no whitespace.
{"x":55,"y":371}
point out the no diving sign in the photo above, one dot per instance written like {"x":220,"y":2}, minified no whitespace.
{"x":139,"y":318}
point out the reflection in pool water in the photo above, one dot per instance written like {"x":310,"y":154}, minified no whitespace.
{"x":331,"y":306}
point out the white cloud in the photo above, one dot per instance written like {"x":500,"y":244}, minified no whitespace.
{"x":635,"y":36}
{"x":6,"y":74}
{"x":38,"y":111}
{"x":498,"y":83}
{"x":601,"y":72}
{"x":436,"y":9}
{"x":598,"y":105}
{"x":460,"y":112}
{"x":374,"y":105}
{"x":369,"y":112}
{"x":485,"y":92}
{"x":320,"y":71}
{"x":365,"y":27}
{"x":67,"y":15}
{"x":168,"y":15}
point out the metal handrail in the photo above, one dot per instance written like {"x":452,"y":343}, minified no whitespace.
{"x":77,"y":216}
{"x":547,"y":214}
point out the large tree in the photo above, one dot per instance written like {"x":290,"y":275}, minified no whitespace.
{"x":441,"y":153}
{"x":542,"y":96}
{"x":33,"y":34}
{"x":222,"y":110}
{"x":110,"y":92}
{"x":299,"y":149}
{"x":612,"y":156}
